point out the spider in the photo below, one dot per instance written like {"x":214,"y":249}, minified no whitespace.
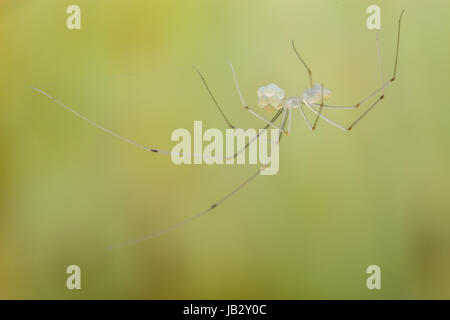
{"x":270,"y":98}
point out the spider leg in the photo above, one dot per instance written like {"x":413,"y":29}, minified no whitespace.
{"x":183,"y":222}
{"x":213,"y":98}
{"x":380,"y":62}
{"x":304,"y":116}
{"x":357,"y":105}
{"x":123,"y":138}
{"x":386,"y":84}
{"x":320,"y":111}
{"x":205,"y":211}
{"x":303,"y":62}
{"x":322,"y":116}
{"x":289,"y":111}
{"x":392,"y":79}
{"x":95,"y":124}
{"x":335,"y":123}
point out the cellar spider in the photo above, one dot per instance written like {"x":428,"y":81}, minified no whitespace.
{"x":271,"y":98}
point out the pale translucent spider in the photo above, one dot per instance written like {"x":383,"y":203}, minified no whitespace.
{"x":270,"y":98}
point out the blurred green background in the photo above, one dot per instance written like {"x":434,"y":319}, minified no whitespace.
{"x":340,"y":202}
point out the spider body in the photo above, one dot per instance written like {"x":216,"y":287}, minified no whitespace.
{"x":272,"y":97}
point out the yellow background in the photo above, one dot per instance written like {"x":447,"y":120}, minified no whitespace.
{"x":340,"y":202}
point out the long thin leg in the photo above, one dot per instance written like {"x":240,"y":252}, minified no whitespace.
{"x":149,"y":149}
{"x":304,"y":116}
{"x":289,"y":110}
{"x":213,"y":98}
{"x":365,"y":112}
{"x":338,"y":125}
{"x":383,"y":86}
{"x":398,"y":45}
{"x":246,"y":107}
{"x":283,"y":118}
{"x":200,"y":214}
{"x":182,"y":223}
{"x":393,"y":76}
{"x":320,"y":111}
{"x":282,"y":124}
{"x":386,"y":84}
{"x":301,"y":59}
{"x":95,"y":124}
{"x":323,"y":117}
{"x":327,"y":106}
{"x":380,"y":62}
